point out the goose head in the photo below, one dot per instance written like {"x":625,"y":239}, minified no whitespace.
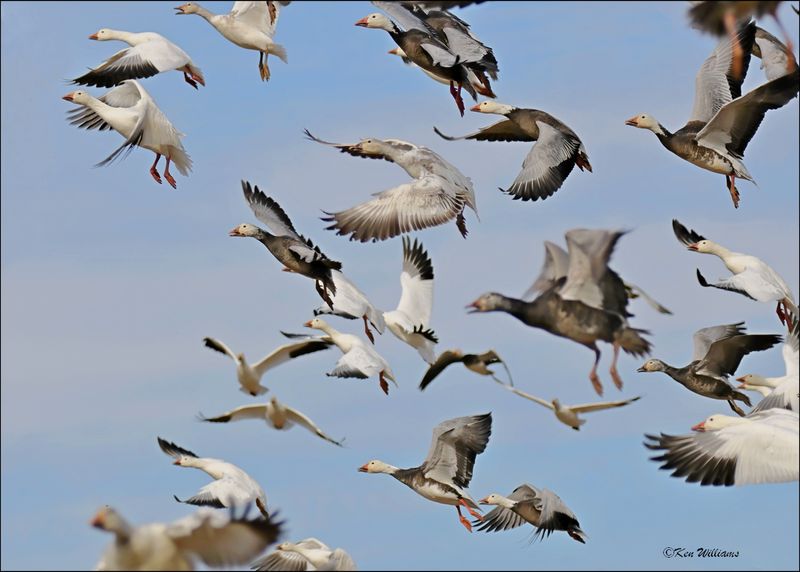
{"x":188,"y":8}
{"x":397,"y":52}
{"x":103,"y":34}
{"x":752,"y":379}
{"x":493,"y":107}
{"x":245,"y":230}
{"x":376,"y":466}
{"x":704,"y":246}
{"x":653,"y":365}
{"x":317,"y":324}
{"x":645,"y":121}
{"x":717,"y":422}
{"x":80,"y":97}
{"x":376,"y":20}
{"x":498,"y":500}
{"x":110,"y":520}
{"x":486,"y":303}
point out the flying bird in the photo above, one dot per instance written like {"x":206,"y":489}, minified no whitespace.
{"x":568,"y":414}
{"x":718,"y":351}
{"x":308,"y":554}
{"x":760,"y":448}
{"x":474,"y":362}
{"x":723,"y":120}
{"x":556,"y":150}
{"x":437,"y":194}
{"x":149,"y":54}
{"x":297,"y":253}
{"x":542,"y":508}
{"x":752,"y":277}
{"x":277,"y":415}
{"x":215,"y":538}
{"x":130,"y":111}
{"x":447,"y":470}
{"x":783,"y":391}
{"x":232,"y":487}
{"x":249,"y":376}
{"x":249,"y":25}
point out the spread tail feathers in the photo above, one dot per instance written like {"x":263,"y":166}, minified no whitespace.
{"x":279,"y":51}
{"x":633,"y":343}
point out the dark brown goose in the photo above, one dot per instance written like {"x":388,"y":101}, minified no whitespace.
{"x":474,"y":362}
{"x":296,"y":253}
{"x":723,"y":121}
{"x":447,"y":470}
{"x":718,"y":351}
{"x":422,"y":48}
{"x":557,"y":149}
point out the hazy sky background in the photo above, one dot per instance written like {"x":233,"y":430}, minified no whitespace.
{"x":110,"y":282}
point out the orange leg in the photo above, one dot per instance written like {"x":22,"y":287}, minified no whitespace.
{"x":170,"y":179}
{"x":730,"y":182}
{"x":189,"y":80}
{"x":153,"y":171}
{"x":384,"y":384}
{"x":593,"y":377}
{"x":613,"y":370}
{"x":477,"y":515}
{"x":780,"y":310}
{"x":366,"y":329}
{"x":457,"y":97}
{"x":463,"y":520}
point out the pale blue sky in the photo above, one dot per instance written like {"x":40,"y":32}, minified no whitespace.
{"x":110,"y":282}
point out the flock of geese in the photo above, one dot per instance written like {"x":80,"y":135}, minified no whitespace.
{"x":576,"y":296}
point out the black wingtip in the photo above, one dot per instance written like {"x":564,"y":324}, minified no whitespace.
{"x":701,"y":279}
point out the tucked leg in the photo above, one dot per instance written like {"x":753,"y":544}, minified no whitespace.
{"x":384,"y":383}
{"x":262,"y":508}
{"x":598,"y":387}
{"x":366,"y":329}
{"x":189,"y":80}
{"x":463,"y":520}
{"x":736,"y":408}
{"x":153,"y":171}
{"x":730,"y":182}
{"x":613,"y":369}
{"x":170,"y":179}
{"x":781,"y":312}
{"x":263,"y":67}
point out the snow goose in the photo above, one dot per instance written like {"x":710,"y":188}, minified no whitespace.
{"x":438,"y":193}
{"x":725,"y":450}
{"x":351,"y":303}
{"x":278,"y":415}
{"x":249,"y":376}
{"x":130,"y":111}
{"x":232,"y":487}
{"x":718,"y":351}
{"x":149,"y":54}
{"x":474,"y":362}
{"x":568,"y":414}
{"x":473,"y":79}
{"x":751,"y":276}
{"x":721,"y":18}
{"x":249,"y":25}
{"x":557,"y":149}
{"x":424,"y":49}
{"x":296,"y":252}
{"x":776,"y":58}
{"x":410,"y":322}
{"x":452,"y":31}
{"x":781,"y":391}
{"x":359,"y":360}
{"x":447,"y":470}
{"x":215,"y":538}
{"x":556,"y":265}
{"x":587,"y":305}
{"x":308,"y":554}
{"x":541,"y":508}
{"x":723,"y":121}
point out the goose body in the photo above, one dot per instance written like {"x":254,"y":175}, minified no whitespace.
{"x":473,"y":79}
{"x":447,"y":470}
{"x":129,"y":110}
{"x":477,"y":363}
{"x":752,"y":277}
{"x":351,"y":303}
{"x":232,"y":487}
{"x":276,"y":414}
{"x":759,"y":448}
{"x":723,"y":120}
{"x":149,"y":54}
{"x":250,"y":375}
{"x":541,"y":508}
{"x":250,"y":25}
{"x":359,"y":359}
{"x":215,"y":538}
{"x":781,"y":391}
{"x":556,"y":150}
{"x":718,"y":351}
{"x":308,"y":554}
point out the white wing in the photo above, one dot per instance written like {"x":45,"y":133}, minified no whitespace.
{"x":587,"y":407}
{"x":704,"y":337}
{"x":547,"y":165}
{"x":402,"y":16}
{"x":784,"y":396}
{"x":358,"y":362}
{"x":350,"y":302}
{"x":416,"y":280}
{"x":589,"y":252}
{"x":269,"y":212}
{"x":774,"y":55}
{"x":554,"y":267}
{"x":533,"y":398}
{"x":292,"y":350}
{"x":256,"y":15}
{"x":439,"y":54}
{"x":296,"y":416}
{"x":425,"y":202}
{"x":282,"y":561}
{"x":239,"y":413}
